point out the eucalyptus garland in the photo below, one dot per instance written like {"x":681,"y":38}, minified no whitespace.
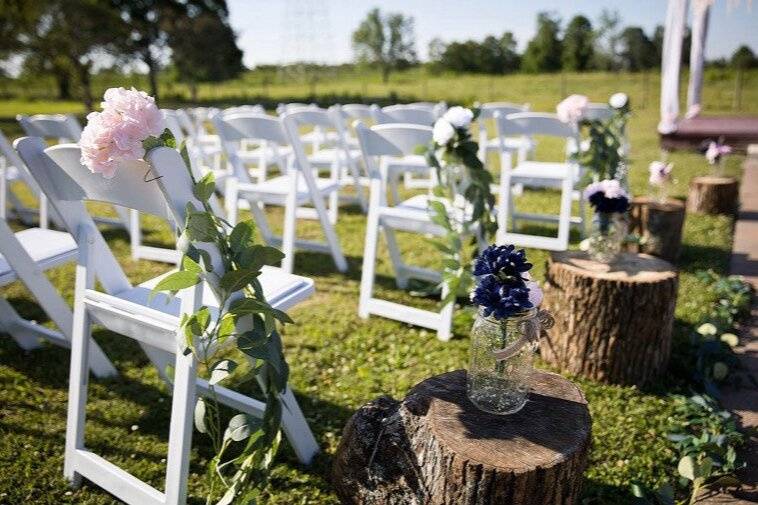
{"x":462,"y":202}
{"x":245,"y":447}
{"x":605,"y":154}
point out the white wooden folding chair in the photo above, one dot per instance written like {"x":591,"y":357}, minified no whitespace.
{"x":359,"y":111}
{"x":488,"y":139}
{"x":296,"y":187}
{"x":561,"y":175}
{"x":378,"y":144}
{"x":155,"y":325}
{"x":402,"y":113}
{"x":25,"y":256}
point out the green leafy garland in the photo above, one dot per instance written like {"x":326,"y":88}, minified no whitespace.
{"x":244,"y":474}
{"x":460,"y":173}
{"x":605,"y":154}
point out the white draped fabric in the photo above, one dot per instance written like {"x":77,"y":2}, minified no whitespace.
{"x":676,"y":20}
{"x":700,"y":14}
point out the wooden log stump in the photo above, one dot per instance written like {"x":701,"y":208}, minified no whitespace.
{"x":713,"y":195}
{"x":659,"y":225}
{"x":436,"y":448}
{"x":613,"y":322}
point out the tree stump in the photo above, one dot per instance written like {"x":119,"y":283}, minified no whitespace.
{"x":713,"y":195}
{"x":613,"y":322}
{"x":659,"y":225}
{"x":436,"y":448}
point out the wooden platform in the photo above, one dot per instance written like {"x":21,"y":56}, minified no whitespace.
{"x":738,"y":132}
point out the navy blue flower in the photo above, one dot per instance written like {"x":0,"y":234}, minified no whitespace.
{"x":504,"y":262}
{"x":500,"y":300}
{"x":605,"y":204}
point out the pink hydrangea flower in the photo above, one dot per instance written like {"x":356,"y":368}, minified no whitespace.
{"x":715,"y":151}
{"x":115,"y":135}
{"x":660,"y":172}
{"x":572,"y":108}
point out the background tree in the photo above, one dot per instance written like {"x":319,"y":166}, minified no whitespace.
{"x":385,"y":41}
{"x":204,"y":49}
{"x":743,"y":58}
{"x":657,"y":41}
{"x":543,"y":54}
{"x":578,"y":44}
{"x":149,"y":20}
{"x":607,"y":39}
{"x":637,"y":51}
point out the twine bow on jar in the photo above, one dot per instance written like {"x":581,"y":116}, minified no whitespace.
{"x":532,"y":329}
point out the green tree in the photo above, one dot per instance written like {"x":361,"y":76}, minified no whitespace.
{"x":578,"y":44}
{"x":148,"y":22}
{"x":658,"y":44}
{"x":637,"y":51}
{"x":743,"y":58}
{"x":607,"y":39}
{"x":543,"y":54}
{"x":218,"y":60}
{"x":385,"y":41}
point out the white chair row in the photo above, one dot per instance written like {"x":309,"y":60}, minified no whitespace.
{"x":126,"y":309}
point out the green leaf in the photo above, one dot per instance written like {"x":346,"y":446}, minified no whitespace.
{"x":151,"y":143}
{"x":167,"y":138}
{"x":254,"y":257}
{"x":189,"y":265}
{"x":198,"y":322}
{"x":222,"y":370}
{"x":234,"y":280}
{"x":201,"y":227}
{"x":720,"y":370}
{"x":687,"y":468}
{"x":226,"y":327}
{"x":241,"y":427}
{"x":242,"y":236}
{"x":204,"y":188}
{"x":200,"y":411}
{"x":175,"y":281}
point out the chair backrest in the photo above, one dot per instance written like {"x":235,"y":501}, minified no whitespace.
{"x":330,"y":119}
{"x":358,"y":111}
{"x":185,"y":123}
{"x":245,"y":126}
{"x":389,"y":140}
{"x":250,"y":109}
{"x":283,"y":108}
{"x":405,"y":114}
{"x":598,"y":111}
{"x":12,"y":160}
{"x":534,"y":123}
{"x":68,"y":184}
{"x":488,"y":110}
{"x":64,"y":127}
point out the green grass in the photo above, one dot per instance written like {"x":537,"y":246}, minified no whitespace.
{"x":338,"y":360}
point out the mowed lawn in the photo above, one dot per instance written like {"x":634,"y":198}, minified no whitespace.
{"x":338,"y":360}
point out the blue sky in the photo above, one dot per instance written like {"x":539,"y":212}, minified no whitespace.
{"x":319,"y":30}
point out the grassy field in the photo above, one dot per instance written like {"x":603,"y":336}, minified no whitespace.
{"x":338,"y":360}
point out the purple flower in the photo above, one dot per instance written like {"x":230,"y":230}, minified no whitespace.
{"x":715,"y":151}
{"x":500,"y":300}
{"x":503,"y":262}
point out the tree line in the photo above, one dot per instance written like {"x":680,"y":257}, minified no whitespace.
{"x":66,"y":39}
{"x":388,"y":41}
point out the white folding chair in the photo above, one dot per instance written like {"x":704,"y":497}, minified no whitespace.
{"x":562,"y":175}
{"x":597,"y":112}
{"x":359,"y":111}
{"x":296,"y":187}
{"x":25,"y":256}
{"x":488,"y":139}
{"x":379,"y":144}
{"x":402,"y":113}
{"x":127,"y":310}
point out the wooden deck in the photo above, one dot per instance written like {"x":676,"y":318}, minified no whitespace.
{"x":737,"y":131}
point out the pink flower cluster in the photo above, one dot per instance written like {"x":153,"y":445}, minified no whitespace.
{"x":715,"y":151}
{"x":611,"y":188}
{"x":660,"y":172}
{"x":572,"y":108}
{"x":115,"y":135}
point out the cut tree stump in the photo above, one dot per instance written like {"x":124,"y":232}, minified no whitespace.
{"x":613,"y":322}
{"x":436,"y":448}
{"x":659,"y":225}
{"x":713,"y":195}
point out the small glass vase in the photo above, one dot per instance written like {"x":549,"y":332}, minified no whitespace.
{"x":502,"y":355}
{"x":609,"y":230}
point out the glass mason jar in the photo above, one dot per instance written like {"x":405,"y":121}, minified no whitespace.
{"x":502,"y":355}
{"x":609,"y":230}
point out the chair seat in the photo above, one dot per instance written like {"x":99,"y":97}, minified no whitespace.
{"x":272,"y":154}
{"x":325,"y":157}
{"x":542,"y":170}
{"x":410,"y":215}
{"x":276,"y":189}
{"x":48,"y":248}
{"x":513,"y":143}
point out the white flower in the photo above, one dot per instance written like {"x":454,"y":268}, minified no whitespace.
{"x":660,"y":172}
{"x":572,"y":108}
{"x":443,"y":132}
{"x":618,"y":100}
{"x":459,"y":117}
{"x":535,"y":293}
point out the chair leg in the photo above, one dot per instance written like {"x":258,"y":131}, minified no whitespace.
{"x":564,"y":218}
{"x":334,"y":196}
{"x":296,"y":428}
{"x":290,"y":225}
{"x":77,"y":392}
{"x":401,"y":278}
{"x":231,"y":200}
{"x":180,"y":431}
{"x":369,"y":264}
{"x":444,"y":331}
{"x":8,"y":318}
{"x":135,"y":233}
